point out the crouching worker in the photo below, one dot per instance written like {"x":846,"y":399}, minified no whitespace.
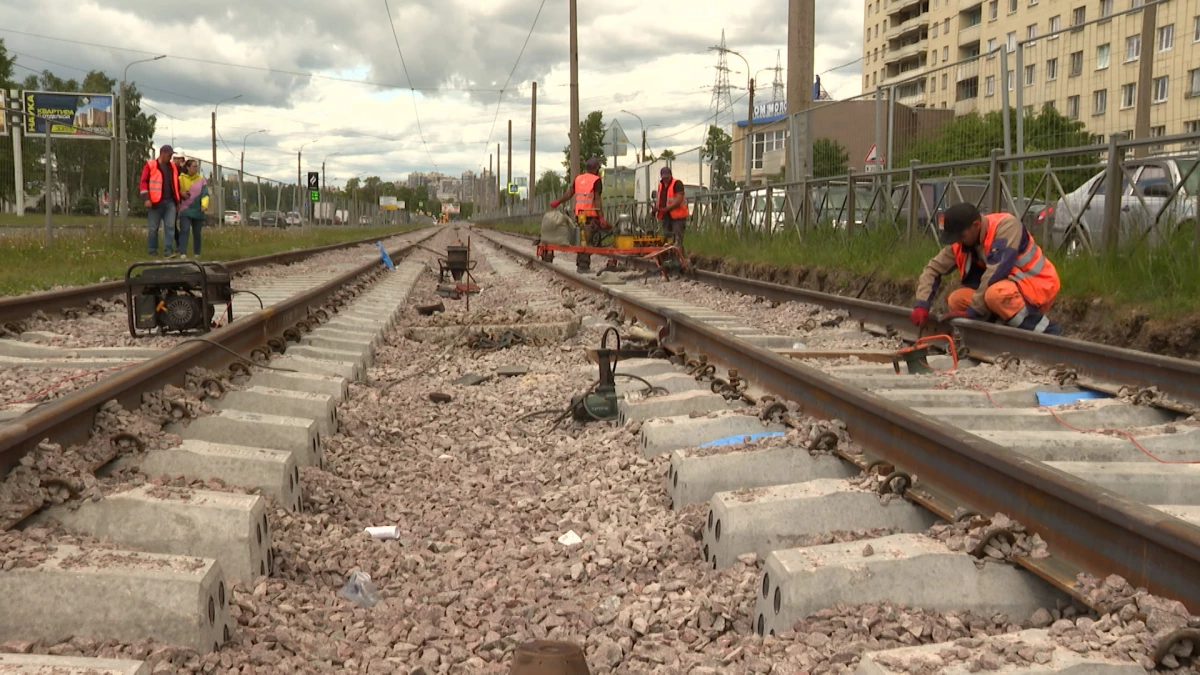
{"x":1005,"y":275}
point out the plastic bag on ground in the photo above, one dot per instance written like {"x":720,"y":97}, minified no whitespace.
{"x":360,"y":589}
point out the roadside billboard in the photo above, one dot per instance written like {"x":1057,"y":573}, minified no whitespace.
{"x":70,"y":115}
{"x":450,"y":209}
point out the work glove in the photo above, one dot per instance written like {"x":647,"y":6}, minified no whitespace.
{"x":555,"y":204}
{"x":662,"y":213}
{"x":919,"y":316}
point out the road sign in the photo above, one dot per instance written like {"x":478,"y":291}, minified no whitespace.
{"x":314,"y":181}
{"x":314,"y":195}
{"x":235,"y":194}
{"x":514,"y":189}
{"x":872,"y":167}
{"x":873,"y":155}
{"x":614,"y":137}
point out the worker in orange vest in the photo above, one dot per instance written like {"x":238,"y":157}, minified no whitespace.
{"x":672,"y":207}
{"x":159,"y":187}
{"x":589,"y":212}
{"x":1005,"y":274}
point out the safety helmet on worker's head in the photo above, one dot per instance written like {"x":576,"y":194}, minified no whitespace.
{"x":592,"y":164}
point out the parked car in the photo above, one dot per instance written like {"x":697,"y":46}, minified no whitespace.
{"x":254,"y":218}
{"x":293,"y":218}
{"x":272,"y":219}
{"x":1156,"y":179}
{"x":233,"y":218}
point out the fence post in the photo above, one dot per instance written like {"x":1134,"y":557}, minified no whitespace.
{"x":49,"y":184}
{"x":995,"y":181}
{"x":1019,"y":82}
{"x":1004,"y":99}
{"x":112,"y":183}
{"x":913,"y":188}
{"x":1112,"y":193}
{"x":769,"y":222}
{"x":806,"y":201}
{"x":851,"y":207}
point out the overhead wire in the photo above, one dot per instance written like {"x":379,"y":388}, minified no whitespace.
{"x":500,"y":98}
{"x":412,"y":92}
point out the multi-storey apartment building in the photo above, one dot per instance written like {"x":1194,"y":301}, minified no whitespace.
{"x":1081,"y":56}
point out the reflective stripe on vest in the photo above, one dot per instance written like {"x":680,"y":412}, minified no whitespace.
{"x":1030,"y":270}
{"x":678,"y":212}
{"x":155,"y":182}
{"x":585,"y":193}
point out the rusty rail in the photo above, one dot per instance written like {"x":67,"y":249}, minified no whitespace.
{"x":69,"y":420}
{"x":17,"y":307}
{"x":1088,"y":529}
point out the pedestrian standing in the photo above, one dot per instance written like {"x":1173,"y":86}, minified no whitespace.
{"x":589,"y":211}
{"x":672,"y":208}
{"x":181,"y":165}
{"x":159,"y":188}
{"x":192,"y":208}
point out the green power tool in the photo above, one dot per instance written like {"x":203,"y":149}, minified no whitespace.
{"x":600,"y":402}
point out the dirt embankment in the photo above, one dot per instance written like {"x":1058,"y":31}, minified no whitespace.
{"x":1095,"y":319}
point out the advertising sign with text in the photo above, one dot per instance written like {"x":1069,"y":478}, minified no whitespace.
{"x":69,"y":115}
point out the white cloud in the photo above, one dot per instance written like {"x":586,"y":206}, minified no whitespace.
{"x":649,"y":58}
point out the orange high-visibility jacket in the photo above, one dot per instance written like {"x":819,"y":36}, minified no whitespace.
{"x":678,"y":212}
{"x":585,"y":194}
{"x":1032,"y":271}
{"x":152,"y":181}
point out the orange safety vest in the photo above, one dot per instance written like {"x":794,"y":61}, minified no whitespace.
{"x":156,"y":181}
{"x":678,"y":212}
{"x":1033,"y":273}
{"x":585,"y":194}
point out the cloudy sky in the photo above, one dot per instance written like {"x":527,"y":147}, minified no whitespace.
{"x":329,"y":73}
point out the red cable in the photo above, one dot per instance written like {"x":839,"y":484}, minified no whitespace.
{"x":1119,"y":432}
{"x":60,"y":383}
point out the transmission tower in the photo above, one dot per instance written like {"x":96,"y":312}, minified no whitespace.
{"x":778,"y":86}
{"x":721,"y":107}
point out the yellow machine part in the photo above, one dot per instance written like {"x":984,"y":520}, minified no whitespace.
{"x":637,"y":240}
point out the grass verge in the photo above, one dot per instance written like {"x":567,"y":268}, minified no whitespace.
{"x":36,"y":220}
{"x":1163,"y":282}
{"x":27,"y":265}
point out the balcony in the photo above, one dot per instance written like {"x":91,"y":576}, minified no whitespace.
{"x":967,"y":5}
{"x":906,"y":52}
{"x":911,"y":26}
{"x":966,"y":106}
{"x":966,"y":71}
{"x":916,"y":70}
{"x":900,"y":5}
{"x":968,"y":35}
{"x":913,"y":100}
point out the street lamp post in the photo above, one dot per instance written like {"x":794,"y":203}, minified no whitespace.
{"x":217,"y":178}
{"x":749,"y":140}
{"x":241,"y":178}
{"x":299,"y":155}
{"x":332,"y":154}
{"x":124,"y":142}
{"x":643,"y":127}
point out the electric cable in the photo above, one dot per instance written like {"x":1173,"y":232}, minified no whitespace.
{"x":412,"y":92}
{"x":237,"y":355}
{"x":500,"y":99}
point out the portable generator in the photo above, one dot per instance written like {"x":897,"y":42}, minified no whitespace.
{"x":176,"y":296}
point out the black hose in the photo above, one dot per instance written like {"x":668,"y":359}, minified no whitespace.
{"x":238,"y":356}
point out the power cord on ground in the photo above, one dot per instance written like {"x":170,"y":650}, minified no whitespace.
{"x":238,"y":356}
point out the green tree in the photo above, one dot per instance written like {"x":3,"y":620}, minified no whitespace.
{"x":719,"y":152}
{"x":551,"y":183}
{"x":829,"y":158}
{"x":974,"y":136}
{"x":591,"y":142}
{"x":667,"y":154}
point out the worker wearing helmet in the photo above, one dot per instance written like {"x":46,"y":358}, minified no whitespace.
{"x":1005,"y":274}
{"x":589,"y":212}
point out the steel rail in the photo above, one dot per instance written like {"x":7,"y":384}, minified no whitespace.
{"x":1097,"y":366}
{"x":1088,"y":529}
{"x":69,"y":420}
{"x":17,"y":307}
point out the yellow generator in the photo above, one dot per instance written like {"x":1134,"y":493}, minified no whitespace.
{"x":637,"y":240}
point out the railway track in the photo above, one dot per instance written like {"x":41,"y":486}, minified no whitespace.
{"x":958,"y":452}
{"x":209,"y":525}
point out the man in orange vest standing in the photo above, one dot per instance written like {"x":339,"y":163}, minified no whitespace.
{"x":672,"y":207}
{"x":589,"y":212}
{"x":1005,"y":274}
{"x":160,"y":192}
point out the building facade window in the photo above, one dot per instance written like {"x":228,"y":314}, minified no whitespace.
{"x":1161,"y":87}
{"x":1010,"y":41}
{"x":1055,"y":23}
{"x":945,"y":53}
{"x":1128,"y":95}
{"x":1133,"y":48}
{"x":1011,"y":80}
{"x":1079,"y":16}
{"x":1076,"y":64}
{"x":1166,"y":37}
{"x":767,"y":142}
{"x":993,"y":10}
{"x":1051,"y":69}
{"x":1073,"y":107}
{"x":1099,"y":101}
{"x":989,"y":85}
{"x":1012,"y":6}
{"x":1031,"y":33}
{"x":1030,"y":75}
{"x":1103,"y":54}
{"x":1106,"y":8}
{"x":1194,"y":82}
